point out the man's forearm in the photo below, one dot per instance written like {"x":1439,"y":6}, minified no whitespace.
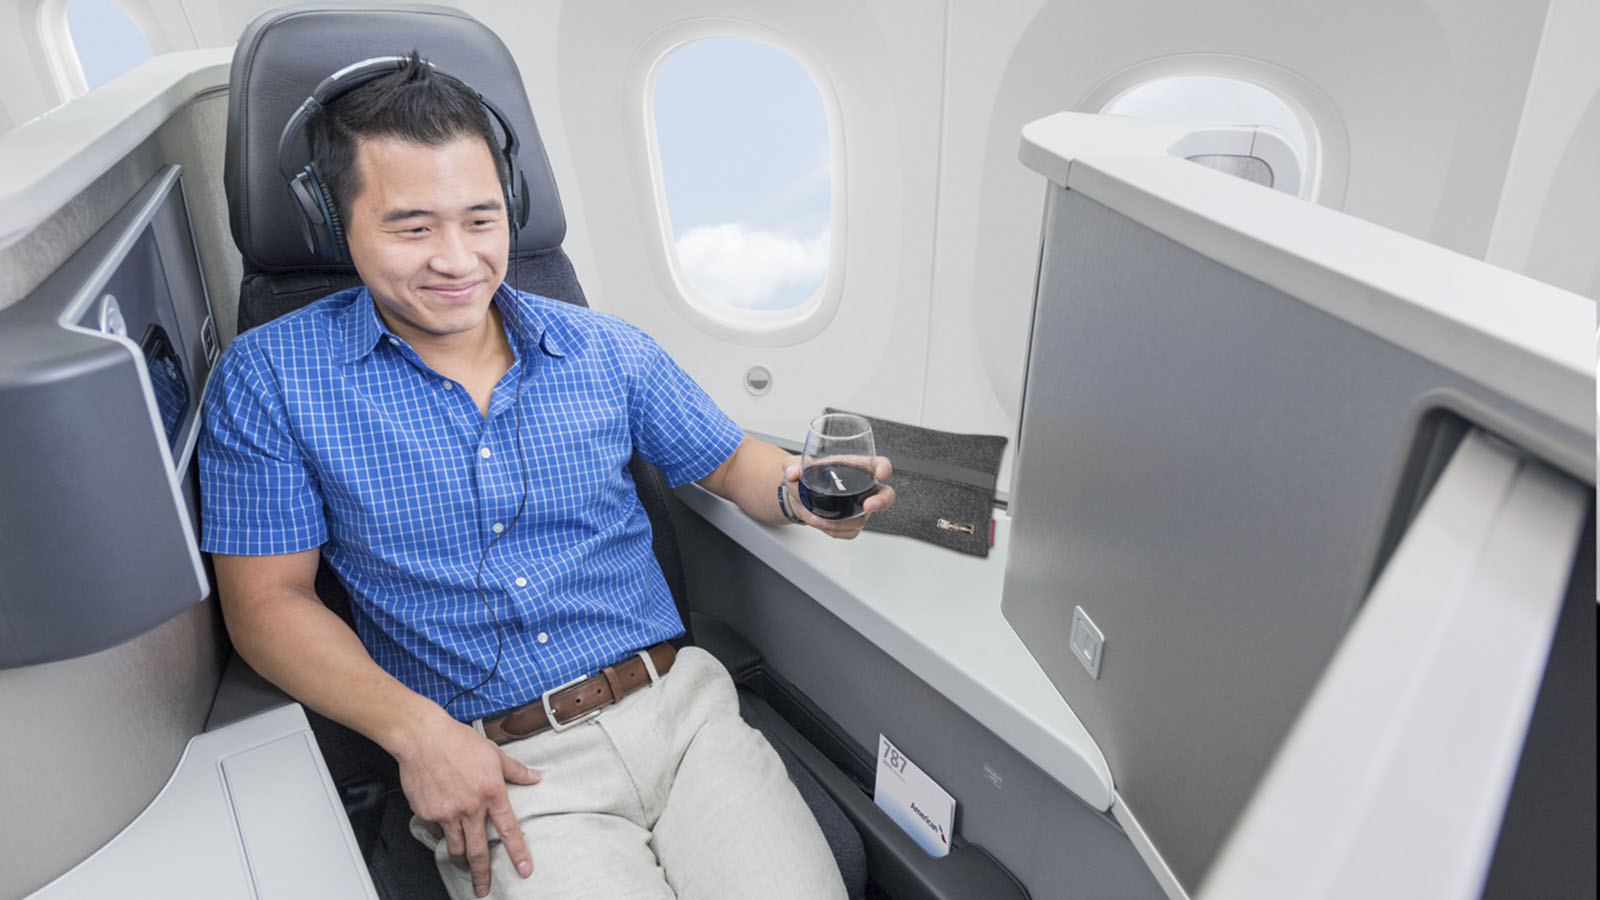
{"x":298,"y":644}
{"x":453,"y":777}
{"x":750,"y":478}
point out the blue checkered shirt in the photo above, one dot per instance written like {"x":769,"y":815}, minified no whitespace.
{"x":324,"y":429}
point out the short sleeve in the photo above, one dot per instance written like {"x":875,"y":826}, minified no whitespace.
{"x":675,"y":425}
{"x":258,"y":496}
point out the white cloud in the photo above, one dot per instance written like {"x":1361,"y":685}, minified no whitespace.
{"x":750,"y":268}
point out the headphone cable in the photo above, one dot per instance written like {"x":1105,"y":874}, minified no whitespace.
{"x":522,"y":467}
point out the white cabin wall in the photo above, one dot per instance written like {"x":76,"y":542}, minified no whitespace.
{"x":34,"y":67}
{"x":33,"y":83}
{"x":1420,"y":100}
{"x":1490,"y":48}
{"x":1417,"y":101}
{"x":1549,"y":212}
{"x":165,"y":24}
{"x":881,"y":63}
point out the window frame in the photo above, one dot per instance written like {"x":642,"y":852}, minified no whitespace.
{"x":1325,"y":169}
{"x":61,"y":52}
{"x":66,"y":71}
{"x":712,"y":316}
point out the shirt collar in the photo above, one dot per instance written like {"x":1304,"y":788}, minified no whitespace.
{"x":523,"y":319}
{"x":358,"y":329}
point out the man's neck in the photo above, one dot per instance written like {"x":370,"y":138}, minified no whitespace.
{"x":475,"y":359}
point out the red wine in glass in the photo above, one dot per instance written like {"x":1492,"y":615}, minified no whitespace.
{"x":836,"y":474}
{"x":836,"y":490}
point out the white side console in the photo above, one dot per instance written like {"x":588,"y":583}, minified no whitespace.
{"x":938,"y":614}
{"x":250,"y":813}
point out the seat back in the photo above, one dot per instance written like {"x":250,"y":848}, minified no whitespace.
{"x":280,"y":59}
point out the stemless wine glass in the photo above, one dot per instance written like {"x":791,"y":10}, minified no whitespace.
{"x":836,"y":469}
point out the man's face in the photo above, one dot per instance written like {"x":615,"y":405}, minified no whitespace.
{"x":428,"y":235}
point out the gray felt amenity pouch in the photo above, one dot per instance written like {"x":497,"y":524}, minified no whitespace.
{"x":944,"y":484}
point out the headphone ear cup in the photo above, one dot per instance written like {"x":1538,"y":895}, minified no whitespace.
{"x":340,"y":251}
{"x":517,"y":186}
{"x":319,"y":223}
{"x":313,"y":227}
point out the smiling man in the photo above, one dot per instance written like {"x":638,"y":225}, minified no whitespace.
{"x":457,"y":450}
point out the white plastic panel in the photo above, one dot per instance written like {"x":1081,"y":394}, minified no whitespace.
{"x":289,"y":822}
{"x":250,"y":814}
{"x":1444,"y":307}
{"x":1394,"y":779}
{"x":938,"y":614}
{"x":52,"y":160}
{"x":1211,"y":98}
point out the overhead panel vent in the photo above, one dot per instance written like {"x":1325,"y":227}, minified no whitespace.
{"x":1215,"y":100}
{"x":1250,"y":168}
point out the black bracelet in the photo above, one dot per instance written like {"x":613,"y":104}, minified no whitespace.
{"x":783,"y":503}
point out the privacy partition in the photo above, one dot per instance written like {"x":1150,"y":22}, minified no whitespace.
{"x":1248,"y":425}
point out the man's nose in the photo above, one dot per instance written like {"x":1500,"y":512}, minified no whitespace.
{"x":453,"y":254}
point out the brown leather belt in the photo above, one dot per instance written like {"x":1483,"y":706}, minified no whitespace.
{"x":582,"y":698}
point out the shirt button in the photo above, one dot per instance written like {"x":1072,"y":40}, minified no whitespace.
{"x":449,"y":385}
{"x":394,"y":341}
{"x":497,"y":528}
{"x":485,"y":453}
{"x":544,"y":638}
{"x":522,"y":582}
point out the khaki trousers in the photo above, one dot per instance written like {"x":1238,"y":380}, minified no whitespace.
{"x":668,"y":794}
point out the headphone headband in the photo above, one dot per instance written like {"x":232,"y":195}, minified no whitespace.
{"x":323,"y":231}
{"x":355,"y":75}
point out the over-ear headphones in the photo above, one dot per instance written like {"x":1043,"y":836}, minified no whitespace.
{"x":319,"y":216}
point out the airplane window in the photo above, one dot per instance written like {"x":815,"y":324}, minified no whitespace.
{"x":742,"y":137}
{"x":1209,"y":98}
{"x":108,"y":43}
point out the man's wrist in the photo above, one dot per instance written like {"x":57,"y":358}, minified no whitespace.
{"x":411,"y":728}
{"x":783,"y":503}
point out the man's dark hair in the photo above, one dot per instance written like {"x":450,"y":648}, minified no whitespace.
{"x":413,"y":103}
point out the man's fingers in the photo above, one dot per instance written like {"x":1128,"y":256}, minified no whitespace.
{"x":882,"y":468}
{"x":454,"y":843}
{"x":505,"y":822}
{"x":477,"y":855}
{"x":881,"y":500}
{"x":516,"y":772}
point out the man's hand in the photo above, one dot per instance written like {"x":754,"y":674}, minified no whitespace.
{"x":456,"y":779}
{"x":749,"y":474}
{"x":844,"y":529}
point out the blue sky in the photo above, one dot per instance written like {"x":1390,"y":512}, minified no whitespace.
{"x":107,"y":41}
{"x":743,"y":141}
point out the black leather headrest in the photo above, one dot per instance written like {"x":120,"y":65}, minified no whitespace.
{"x":285,"y":52}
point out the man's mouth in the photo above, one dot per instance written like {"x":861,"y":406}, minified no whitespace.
{"x":460,"y":291}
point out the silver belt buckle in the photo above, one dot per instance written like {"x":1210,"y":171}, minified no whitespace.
{"x":544,"y":700}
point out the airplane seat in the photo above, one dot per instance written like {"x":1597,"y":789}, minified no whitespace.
{"x":280,"y":58}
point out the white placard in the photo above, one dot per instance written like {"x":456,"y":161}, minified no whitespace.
{"x":913,"y":800}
